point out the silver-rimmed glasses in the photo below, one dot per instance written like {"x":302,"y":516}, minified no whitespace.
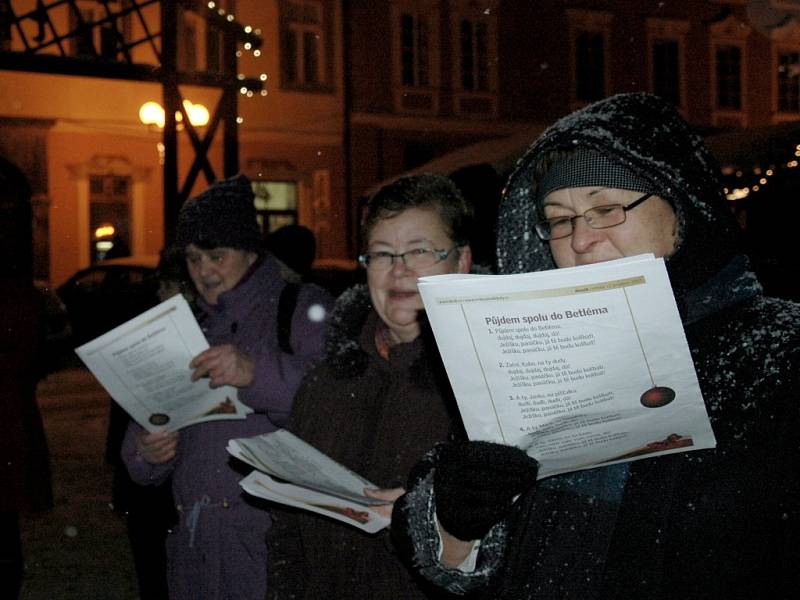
{"x":599,"y":217}
{"x":416,"y":259}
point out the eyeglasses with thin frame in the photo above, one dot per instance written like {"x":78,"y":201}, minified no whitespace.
{"x":599,"y":217}
{"x":416,"y":259}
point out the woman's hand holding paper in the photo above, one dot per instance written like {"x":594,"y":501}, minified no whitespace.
{"x":158,"y":447}
{"x":224,"y":365}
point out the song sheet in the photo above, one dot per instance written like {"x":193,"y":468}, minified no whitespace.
{"x":144,"y":365}
{"x":579,"y":367}
{"x":311,"y":480}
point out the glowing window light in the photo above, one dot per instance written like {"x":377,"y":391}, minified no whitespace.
{"x":105,"y":230}
{"x":738,"y":194}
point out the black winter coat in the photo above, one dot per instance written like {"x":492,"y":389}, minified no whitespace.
{"x":377,"y":417}
{"x":721,"y":523}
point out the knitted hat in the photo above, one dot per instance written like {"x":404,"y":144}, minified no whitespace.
{"x":647,"y":136}
{"x":222,"y":216}
{"x":585,"y":167}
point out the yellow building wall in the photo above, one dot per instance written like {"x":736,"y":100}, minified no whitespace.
{"x":97,"y":130}
{"x":73,"y":155}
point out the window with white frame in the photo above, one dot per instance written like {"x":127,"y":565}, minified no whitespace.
{"x":96,"y":40}
{"x":666,"y":73}
{"x":415,"y":55}
{"x":188,"y":24}
{"x":306,"y":50}
{"x":590,"y":33}
{"x":786,"y":69}
{"x":788,"y":75}
{"x":474,"y":43}
{"x":213,"y":38}
{"x":415,"y":50}
{"x":728,"y":66}
{"x":666,"y":40}
{"x":276,"y":204}
{"x":109,"y":215}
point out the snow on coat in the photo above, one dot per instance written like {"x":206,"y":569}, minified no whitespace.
{"x":720,"y":523}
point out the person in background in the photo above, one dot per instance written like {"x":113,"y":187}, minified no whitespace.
{"x":381,"y":397}
{"x":174,"y":278}
{"x":218,"y":548}
{"x":295,"y":246}
{"x":25,"y":478}
{"x":622,"y":177}
{"x":148,"y":510}
{"x":482,"y":188}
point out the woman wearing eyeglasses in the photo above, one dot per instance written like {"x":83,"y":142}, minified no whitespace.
{"x":380,"y":399}
{"x":621,"y":177}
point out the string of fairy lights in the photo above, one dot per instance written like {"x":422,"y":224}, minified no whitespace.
{"x":758,"y":178}
{"x":760,"y":175}
{"x":249,"y":46}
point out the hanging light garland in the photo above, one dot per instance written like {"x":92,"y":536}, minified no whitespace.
{"x":251,"y":42}
{"x":759,"y":177}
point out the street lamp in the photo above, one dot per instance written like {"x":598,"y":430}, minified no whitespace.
{"x":152,"y":113}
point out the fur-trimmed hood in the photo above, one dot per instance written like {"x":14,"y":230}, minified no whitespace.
{"x":349,"y":346}
{"x":343,"y":351}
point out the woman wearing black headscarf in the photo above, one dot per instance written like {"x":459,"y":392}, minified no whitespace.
{"x":624,"y":176}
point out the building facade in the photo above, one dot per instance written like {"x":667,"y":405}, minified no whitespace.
{"x":357,"y":91}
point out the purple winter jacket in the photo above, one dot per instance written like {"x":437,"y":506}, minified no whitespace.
{"x":218,"y":549}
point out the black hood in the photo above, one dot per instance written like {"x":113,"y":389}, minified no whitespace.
{"x":648,"y":136}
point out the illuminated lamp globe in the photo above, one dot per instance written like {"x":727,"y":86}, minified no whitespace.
{"x":198,"y":114}
{"x":151,"y":113}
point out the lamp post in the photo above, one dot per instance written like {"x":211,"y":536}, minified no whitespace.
{"x":152,"y":113}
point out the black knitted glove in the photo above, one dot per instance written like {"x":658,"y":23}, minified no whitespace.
{"x":475,"y":484}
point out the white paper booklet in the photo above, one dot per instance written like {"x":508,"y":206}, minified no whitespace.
{"x":144,"y":365}
{"x":579,"y":367}
{"x":313,"y":481}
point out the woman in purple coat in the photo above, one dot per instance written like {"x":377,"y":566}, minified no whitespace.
{"x":218,"y":549}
